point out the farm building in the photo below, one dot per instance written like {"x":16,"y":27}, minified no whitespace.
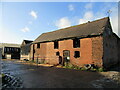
{"x":25,"y":50}
{"x":10,"y":51}
{"x":89,"y":43}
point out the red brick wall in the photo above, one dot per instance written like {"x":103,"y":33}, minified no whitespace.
{"x":101,"y":51}
{"x":85,"y":51}
{"x":97,"y":50}
{"x":47,"y":51}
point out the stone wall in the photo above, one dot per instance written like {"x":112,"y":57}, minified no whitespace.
{"x":110,"y":50}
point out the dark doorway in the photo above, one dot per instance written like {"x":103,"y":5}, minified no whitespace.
{"x":60,"y":60}
{"x":66,"y":56}
{"x":33,"y":51}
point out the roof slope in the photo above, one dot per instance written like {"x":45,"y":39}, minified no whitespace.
{"x":28,"y":41}
{"x":25,"y":42}
{"x":82,"y":30}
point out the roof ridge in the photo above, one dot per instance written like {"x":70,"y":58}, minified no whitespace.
{"x":77,"y":25}
{"x":27,"y":40}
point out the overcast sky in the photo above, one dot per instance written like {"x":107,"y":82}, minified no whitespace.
{"x":27,"y":20}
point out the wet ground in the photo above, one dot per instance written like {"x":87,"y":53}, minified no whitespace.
{"x":52,"y":77}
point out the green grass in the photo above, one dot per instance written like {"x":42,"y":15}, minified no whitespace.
{"x":3,"y":75}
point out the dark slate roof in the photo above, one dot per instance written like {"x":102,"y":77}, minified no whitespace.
{"x":83,"y":30}
{"x":27,"y":41}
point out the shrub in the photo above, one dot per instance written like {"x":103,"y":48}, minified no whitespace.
{"x":76,"y":67}
{"x":83,"y":69}
{"x":70,"y":65}
{"x":3,"y":75}
{"x":93,"y":69}
{"x":100,"y":70}
{"x":32,"y":61}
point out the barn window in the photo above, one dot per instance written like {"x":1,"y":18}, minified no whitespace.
{"x":38,"y":45}
{"x":57,"y":53}
{"x":76,"y":54}
{"x":55,"y":44}
{"x":76,"y":43}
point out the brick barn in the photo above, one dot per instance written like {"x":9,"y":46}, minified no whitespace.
{"x":89,"y":43}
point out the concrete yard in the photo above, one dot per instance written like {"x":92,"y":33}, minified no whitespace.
{"x":51,"y":77}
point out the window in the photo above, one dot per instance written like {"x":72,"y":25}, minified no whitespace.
{"x":76,"y":43}
{"x":8,"y":49}
{"x":17,"y":49}
{"x":57,"y":53}
{"x":56,"y":45}
{"x":12,"y":49}
{"x":38,"y":45}
{"x":4,"y":49}
{"x":76,"y":54}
